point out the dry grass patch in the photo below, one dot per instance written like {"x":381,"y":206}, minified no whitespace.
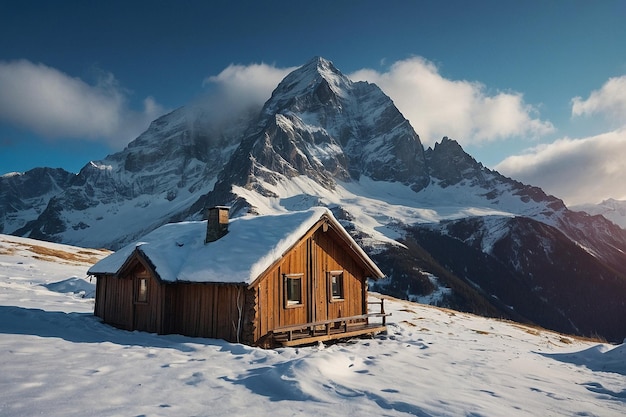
{"x":534,"y":331}
{"x":49,"y":254}
{"x":6,"y":251}
{"x":567,"y":339}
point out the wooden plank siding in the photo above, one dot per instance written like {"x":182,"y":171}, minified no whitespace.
{"x":332,"y":255}
{"x":148,"y":315}
{"x":317,"y":253}
{"x":271,"y":310}
{"x":218,"y":311}
{"x":117,"y":307}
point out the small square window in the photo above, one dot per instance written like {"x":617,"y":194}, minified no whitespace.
{"x":141,"y":295}
{"x":293,"y":289}
{"x":335,"y":284}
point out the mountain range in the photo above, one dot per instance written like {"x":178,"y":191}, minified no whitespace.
{"x":443,"y":227}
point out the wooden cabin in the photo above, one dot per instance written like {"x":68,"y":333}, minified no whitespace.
{"x":286,"y":279}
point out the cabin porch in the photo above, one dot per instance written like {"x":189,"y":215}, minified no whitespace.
{"x":339,"y":328}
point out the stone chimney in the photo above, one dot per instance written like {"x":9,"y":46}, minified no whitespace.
{"x":217,"y":223}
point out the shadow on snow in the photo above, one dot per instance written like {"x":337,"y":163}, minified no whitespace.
{"x":86,"y":328}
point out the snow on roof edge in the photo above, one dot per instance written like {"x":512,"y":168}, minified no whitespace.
{"x":178,"y":253}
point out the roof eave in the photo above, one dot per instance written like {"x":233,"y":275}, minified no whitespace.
{"x":356,"y":248}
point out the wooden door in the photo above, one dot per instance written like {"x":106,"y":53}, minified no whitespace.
{"x":142,"y":319}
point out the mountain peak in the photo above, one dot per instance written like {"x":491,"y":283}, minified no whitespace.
{"x":317,"y":78}
{"x":320,"y":62}
{"x":318,"y":66}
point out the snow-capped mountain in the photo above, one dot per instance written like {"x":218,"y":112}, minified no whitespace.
{"x":436,"y":220}
{"x":614,"y":210}
{"x":320,"y":125}
{"x":127,"y":194}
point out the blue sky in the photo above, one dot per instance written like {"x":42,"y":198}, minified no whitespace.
{"x":535,"y":89}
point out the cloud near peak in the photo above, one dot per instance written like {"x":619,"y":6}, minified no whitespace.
{"x":437,"y":106}
{"x":53,"y":104}
{"x":238,"y":88}
{"x":434,"y":105}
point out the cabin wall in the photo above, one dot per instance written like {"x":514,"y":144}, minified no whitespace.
{"x":332,"y":255}
{"x":148,"y":315}
{"x":271,"y":311}
{"x":117,"y":304}
{"x":101,"y":282}
{"x":210,"y":310}
{"x":314,"y":257}
{"x":114,"y":301}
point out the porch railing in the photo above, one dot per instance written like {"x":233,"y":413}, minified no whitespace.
{"x":338,"y":327}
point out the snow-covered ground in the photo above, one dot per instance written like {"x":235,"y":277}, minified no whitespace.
{"x":57,"y":359}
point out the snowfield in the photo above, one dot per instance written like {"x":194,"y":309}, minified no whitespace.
{"x":57,"y":359}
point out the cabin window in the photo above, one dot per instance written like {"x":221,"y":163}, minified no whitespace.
{"x":141,"y":293}
{"x":293,"y":289}
{"x":335,"y":285}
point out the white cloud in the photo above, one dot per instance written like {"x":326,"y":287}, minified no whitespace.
{"x":462,"y":110}
{"x":241,"y":87}
{"x":53,"y":104}
{"x":435,"y":106}
{"x":609,"y":101}
{"x":578,"y":171}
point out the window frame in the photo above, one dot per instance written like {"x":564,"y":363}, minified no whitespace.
{"x":292,"y":303}
{"x":141,"y":294}
{"x":336,"y":296}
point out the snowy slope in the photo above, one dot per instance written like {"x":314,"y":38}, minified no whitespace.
{"x":614,"y":210}
{"x":57,"y":359}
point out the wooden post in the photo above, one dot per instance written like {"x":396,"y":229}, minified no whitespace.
{"x":382,"y":311}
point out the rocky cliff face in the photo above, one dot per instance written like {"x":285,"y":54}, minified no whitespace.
{"x":321,"y":125}
{"x":530,"y":271}
{"x":23,"y":196}
{"x":155,"y":179}
{"x":432,"y":218}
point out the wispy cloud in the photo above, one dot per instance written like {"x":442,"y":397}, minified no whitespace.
{"x":464,"y":110}
{"x":609,"y":101}
{"x":434,"y":105}
{"x":53,"y":104}
{"x":238,"y":88}
{"x":586,"y":170}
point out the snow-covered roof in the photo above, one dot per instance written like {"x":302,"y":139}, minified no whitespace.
{"x":253,"y":243}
